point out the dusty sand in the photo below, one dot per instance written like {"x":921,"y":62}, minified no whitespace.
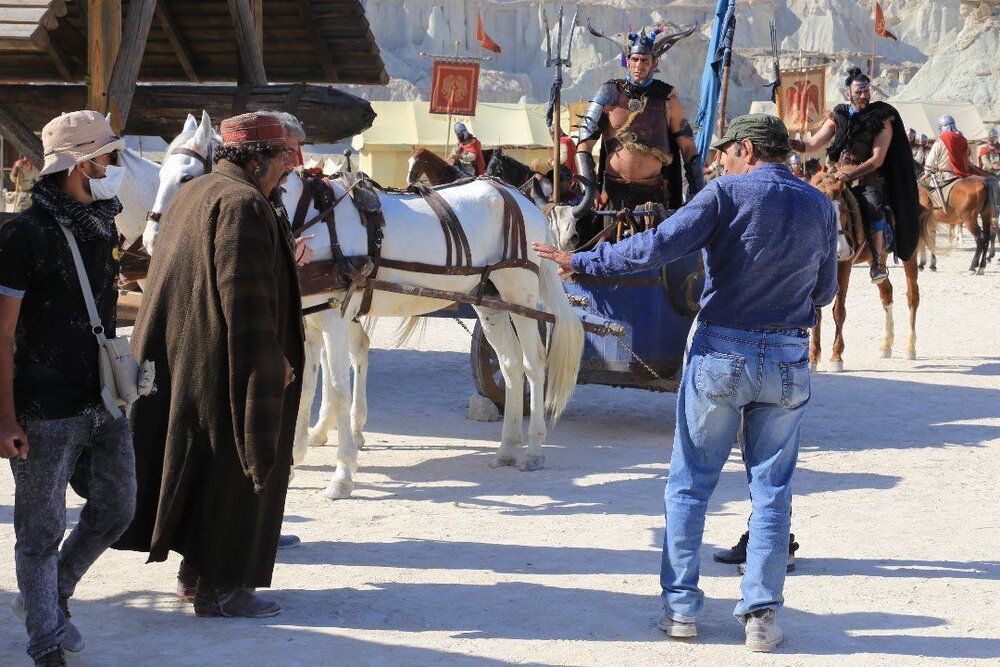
{"x":440,"y":560}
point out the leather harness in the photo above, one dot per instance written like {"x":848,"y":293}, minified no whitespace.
{"x":359,"y":273}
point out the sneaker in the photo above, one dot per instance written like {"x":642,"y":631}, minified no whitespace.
{"x":738,"y":554}
{"x":72,"y":641}
{"x":54,"y":658}
{"x":288,"y":541}
{"x":878,"y":274}
{"x":215,"y":601}
{"x":793,"y":546}
{"x":763,"y":633}
{"x":677,"y":629}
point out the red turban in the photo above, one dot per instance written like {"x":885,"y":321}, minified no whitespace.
{"x":253,"y":128}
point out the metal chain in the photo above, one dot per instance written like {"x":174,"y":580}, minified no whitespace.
{"x":462,"y":324}
{"x":628,"y":348}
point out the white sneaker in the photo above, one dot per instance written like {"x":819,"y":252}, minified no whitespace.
{"x":677,"y":629}
{"x":763,"y":633}
{"x":72,"y":642}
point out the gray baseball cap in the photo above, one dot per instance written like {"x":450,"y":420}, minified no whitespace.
{"x":760,"y":128}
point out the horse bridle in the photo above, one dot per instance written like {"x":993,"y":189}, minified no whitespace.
{"x":205,"y":160}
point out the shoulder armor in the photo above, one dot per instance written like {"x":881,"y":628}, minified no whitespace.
{"x":606,"y":94}
{"x":590,"y":121}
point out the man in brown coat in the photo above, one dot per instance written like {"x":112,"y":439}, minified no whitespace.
{"x":222,"y":321}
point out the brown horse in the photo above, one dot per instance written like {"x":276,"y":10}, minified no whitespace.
{"x":428,"y":164}
{"x":969,"y":202}
{"x":852,"y":228}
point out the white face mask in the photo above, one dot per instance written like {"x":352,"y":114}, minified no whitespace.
{"x":109,"y":186}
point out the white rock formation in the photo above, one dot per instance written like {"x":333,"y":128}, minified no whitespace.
{"x":944,"y":39}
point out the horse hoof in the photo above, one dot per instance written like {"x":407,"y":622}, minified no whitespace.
{"x":886,"y":352}
{"x":911,"y":355}
{"x":532,"y":462}
{"x":934,"y":269}
{"x":981,"y":271}
{"x":359,"y":440}
{"x":813,"y":367}
{"x":503,"y":461}
{"x":319,"y":438}
{"x":339,"y":489}
{"x":835,"y":367}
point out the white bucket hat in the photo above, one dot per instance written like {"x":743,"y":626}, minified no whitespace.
{"x":74,"y":137}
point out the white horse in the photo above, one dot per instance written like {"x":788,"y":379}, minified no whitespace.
{"x":188,"y":156}
{"x":412,"y":233}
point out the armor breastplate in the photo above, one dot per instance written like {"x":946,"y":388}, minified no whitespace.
{"x":640,"y":125}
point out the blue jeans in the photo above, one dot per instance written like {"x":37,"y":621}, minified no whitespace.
{"x":763,"y":376}
{"x":94,"y":450}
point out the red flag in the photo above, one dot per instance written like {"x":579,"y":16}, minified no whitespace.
{"x":454,"y":88}
{"x":880,"y":24}
{"x":485,"y":40}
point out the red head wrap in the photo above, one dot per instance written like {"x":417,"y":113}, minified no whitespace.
{"x":253,"y":128}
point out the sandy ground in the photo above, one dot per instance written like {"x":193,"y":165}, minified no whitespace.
{"x":440,"y":560}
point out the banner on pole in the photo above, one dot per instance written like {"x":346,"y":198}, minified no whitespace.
{"x":454,"y":88}
{"x":804,"y":93}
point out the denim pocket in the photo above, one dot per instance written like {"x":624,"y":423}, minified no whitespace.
{"x":795,"y":387}
{"x":718,"y":374}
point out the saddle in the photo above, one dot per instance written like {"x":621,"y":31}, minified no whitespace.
{"x":939,"y":187}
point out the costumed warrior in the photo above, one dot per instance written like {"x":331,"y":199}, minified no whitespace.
{"x":947,"y":162}
{"x":989,"y":153}
{"x":468,"y":154}
{"x":647,"y":139}
{"x":870,"y":151}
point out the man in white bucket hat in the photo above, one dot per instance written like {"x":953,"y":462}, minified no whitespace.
{"x":54,"y":425}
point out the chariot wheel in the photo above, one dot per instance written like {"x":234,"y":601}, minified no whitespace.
{"x":486,"y":371}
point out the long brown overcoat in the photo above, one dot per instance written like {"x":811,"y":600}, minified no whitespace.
{"x":221,"y":315}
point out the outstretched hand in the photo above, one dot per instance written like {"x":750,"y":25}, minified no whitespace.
{"x":562,"y":258}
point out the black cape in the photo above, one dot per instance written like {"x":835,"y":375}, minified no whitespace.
{"x":897,"y":170}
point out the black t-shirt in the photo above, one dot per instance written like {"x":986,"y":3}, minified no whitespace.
{"x":56,"y":371}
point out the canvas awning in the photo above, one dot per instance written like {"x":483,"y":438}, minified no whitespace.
{"x":403,"y":125}
{"x":923,"y":117}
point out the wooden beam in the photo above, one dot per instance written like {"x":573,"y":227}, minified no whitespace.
{"x":258,"y":22}
{"x":329,"y":115}
{"x":177,"y":41}
{"x":21,"y":136}
{"x":319,"y":44}
{"x":104,"y":34}
{"x":251,"y":55}
{"x":129,"y":60}
{"x":58,"y":56}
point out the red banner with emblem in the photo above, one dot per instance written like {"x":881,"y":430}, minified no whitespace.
{"x":454,"y":88}
{"x":804,"y":91}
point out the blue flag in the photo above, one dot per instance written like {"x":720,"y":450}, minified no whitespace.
{"x":711,"y":79}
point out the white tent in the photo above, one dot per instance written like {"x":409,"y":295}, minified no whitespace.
{"x":923,"y":117}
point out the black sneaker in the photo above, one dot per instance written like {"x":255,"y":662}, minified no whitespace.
{"x":54,"y":658}
{"x":738,"y":554}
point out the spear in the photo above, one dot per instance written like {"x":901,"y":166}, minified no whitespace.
{"x":777,"y":95}
{"x":554,"y":115}
{"x":725,"y":59}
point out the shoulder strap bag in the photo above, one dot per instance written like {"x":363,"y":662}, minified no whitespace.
{"x":123,"y":379}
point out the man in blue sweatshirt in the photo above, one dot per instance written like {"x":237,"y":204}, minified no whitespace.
{"x":770,"y":249}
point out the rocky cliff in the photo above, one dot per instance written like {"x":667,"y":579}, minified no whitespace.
{"x":946,"y":49}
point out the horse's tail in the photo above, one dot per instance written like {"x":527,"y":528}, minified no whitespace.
{"x":566,"y":344}
{"x":928,"y":229}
